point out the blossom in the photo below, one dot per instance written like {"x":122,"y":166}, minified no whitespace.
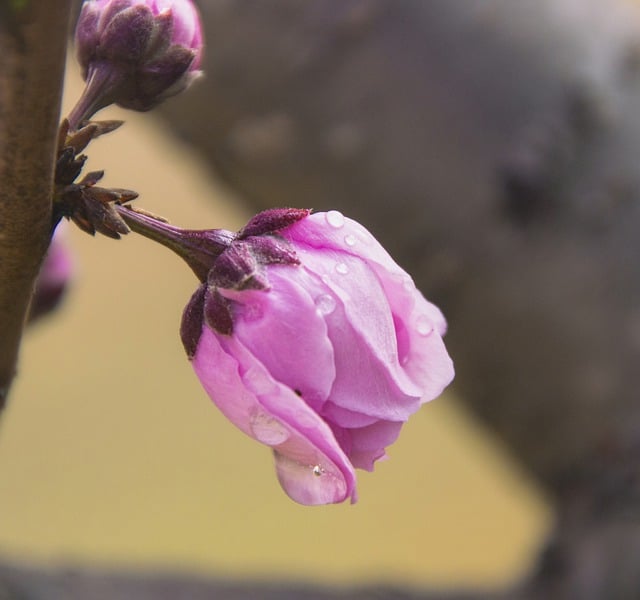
{"x":313,"y":341}
{"x":53,"y":279}
{"x":135,"y":53}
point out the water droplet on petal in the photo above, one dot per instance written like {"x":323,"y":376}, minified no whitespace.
{"x":404,"y":360}
{"x":350,"y":240}
{"x":259,"y":382}
{"x":267,"y":429}
{"x":342,"y":268}
{"x":325,"y":304}
{"x":310,"y":481}
{"x":423,"y":325}
{"x":335,"y":219}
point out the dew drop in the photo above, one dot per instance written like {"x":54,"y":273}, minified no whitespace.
{"x":268,"y":429}
{"x":259,"y":382}
{"x":325,"y":304}
{"x":335,"y":219}
{"x":423,"y":325}
{"x":310,"y":479}
{"x":342,"y":268}
{"x":350,"y":240}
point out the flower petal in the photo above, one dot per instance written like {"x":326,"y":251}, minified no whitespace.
{"x":369,"y":379}
{"x":424,"y":356}
{"x":311,"y":466}
{"x":364,"y":382}
{"x":283,"y":329}
{"x":368,"y":443}
{"x":356,"y":240}
{"x":186,"y":23}
{"x":419,"y":325}
{"x":345,"y":418}
{"x":319,"y":230}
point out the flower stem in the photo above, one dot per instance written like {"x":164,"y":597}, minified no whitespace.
{"x":198,"y":248}
{"x":99,"y":91}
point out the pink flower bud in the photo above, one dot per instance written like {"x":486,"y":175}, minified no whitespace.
{"x":136,"y":53}
{"x":53,"y":279}
{"x":313,"y":341}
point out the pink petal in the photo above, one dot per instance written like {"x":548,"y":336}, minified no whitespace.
{"x":186,"y":25}
{"x":57,"y":266}
{"x":345,"y":418}
{"x":424,"y":356}
{"x":368,"y":443}
{"x":364,"y":383}
{"x":284,"y":330}
{"x":354,"y":239}
{"x":311,"y":467}
{"x":319,"y":230}
{"x":418,"y":323}
{"x":365,"y":304}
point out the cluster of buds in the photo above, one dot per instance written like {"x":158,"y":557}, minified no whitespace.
{"x":90,"y":207}
{"x":303,"y":330}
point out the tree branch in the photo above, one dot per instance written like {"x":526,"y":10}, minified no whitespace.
{"x":32,"y":50}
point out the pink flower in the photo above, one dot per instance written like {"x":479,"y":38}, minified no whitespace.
{"x":313,"y":341}
{"x":136,"y":53}
{"x":53,"y":279}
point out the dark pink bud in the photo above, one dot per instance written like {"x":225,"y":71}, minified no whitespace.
{"x":53,"y":279}
{"x":135,"y":53}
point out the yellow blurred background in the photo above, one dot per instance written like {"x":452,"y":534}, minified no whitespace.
{"x":111,"y":454}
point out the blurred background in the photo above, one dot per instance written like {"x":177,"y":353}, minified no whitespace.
{"x":111,"y":454}
{"x":492,"y":146}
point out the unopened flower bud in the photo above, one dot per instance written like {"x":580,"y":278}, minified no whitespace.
{"x":135,"y":53}
{"x":313,"y":341}
{"x":53,"y":279}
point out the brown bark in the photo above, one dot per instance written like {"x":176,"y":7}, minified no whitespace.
{"x":32,"y":49}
